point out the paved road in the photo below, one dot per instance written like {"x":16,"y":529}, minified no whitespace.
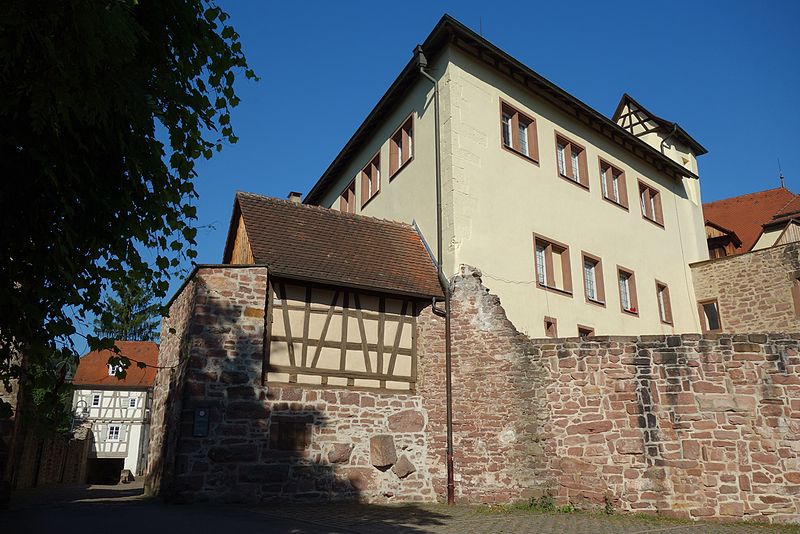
{"x":122,"y":510}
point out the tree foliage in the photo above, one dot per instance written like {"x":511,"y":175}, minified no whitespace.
{"x":132,"y":314}
{"x":91,"y":198}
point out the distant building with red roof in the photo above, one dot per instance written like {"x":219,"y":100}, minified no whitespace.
{"x":748,"y":222}
{"x":118,"y":408}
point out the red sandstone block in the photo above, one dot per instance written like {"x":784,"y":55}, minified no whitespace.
{"x":708,"y":387}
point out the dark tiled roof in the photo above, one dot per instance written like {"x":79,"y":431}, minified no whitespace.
{"x":323,"y":245}
{"x":93,"y":367}
{"x":746,"y":214}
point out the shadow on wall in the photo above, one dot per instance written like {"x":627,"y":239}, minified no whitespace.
{"x":228,"y":438}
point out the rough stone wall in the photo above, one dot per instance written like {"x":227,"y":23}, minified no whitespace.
{"x":492,"y":461}
{"x":52,"y":460}
{"x":363,"y":444}
{"x":754,"y":290}
{"x":680,"y":425}
{"x":168,"y":389}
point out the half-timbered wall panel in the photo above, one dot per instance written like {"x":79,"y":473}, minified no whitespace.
{"x":340,"y":337}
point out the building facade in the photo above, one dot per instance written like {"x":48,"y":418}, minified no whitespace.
{"x":584,"y":224}
{"x":118,"y":409}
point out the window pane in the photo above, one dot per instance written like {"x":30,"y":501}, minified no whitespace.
{"x":523,"y":138}
{"x":589,"y":275}
{"x":643,"y":201}
{"x":624,"y":291}
{"x":603,"y":185}
{"x":576,"y":168}
{"x":712,"y":315}
{"x":507,"y":129}
{"x":662,"y":309}
{"x":540,"y":268}
{"x":562,"y":164}
{"x":410,"y":143}
{"x":615,"y":187}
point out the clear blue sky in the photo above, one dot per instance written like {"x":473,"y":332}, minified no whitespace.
{"x":728,"y":72}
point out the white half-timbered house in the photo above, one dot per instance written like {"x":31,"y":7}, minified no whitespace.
{"x":118,"y":408}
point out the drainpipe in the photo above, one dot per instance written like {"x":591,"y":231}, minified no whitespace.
{"x":422,"y":63}
{"x":669,"y":137}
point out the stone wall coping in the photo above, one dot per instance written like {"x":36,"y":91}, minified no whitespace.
{"x":742,"y":255}
{"x":203,"y":266}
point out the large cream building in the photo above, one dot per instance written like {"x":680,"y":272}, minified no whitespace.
{"x":580,"y":223}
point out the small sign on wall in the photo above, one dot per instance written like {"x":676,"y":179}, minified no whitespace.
{"x":200,"y":429}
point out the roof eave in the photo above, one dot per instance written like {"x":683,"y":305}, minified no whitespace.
{"x":445,"y":31}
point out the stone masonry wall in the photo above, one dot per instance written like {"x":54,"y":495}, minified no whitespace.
{"x":360,"y":444}
{"x":754,"y":290}
{"x":686,"y":425}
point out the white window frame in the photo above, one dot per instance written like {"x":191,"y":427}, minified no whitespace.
{"x":133,"y":402}
{"x":590,"y":266}
{"x":97,"y":397}
{"x":118,"y":433}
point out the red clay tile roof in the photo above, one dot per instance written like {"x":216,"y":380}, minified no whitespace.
{"x":93,"y":367}
{"x":323,"y":245}
{"x":746,"y":214}
{"x":790,"y":211}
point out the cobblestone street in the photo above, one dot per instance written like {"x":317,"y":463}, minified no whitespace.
{"x":67,"y":510}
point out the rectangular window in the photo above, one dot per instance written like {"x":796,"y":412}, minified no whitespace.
{"x":664,"y":305}
{"x":401,"y":147}
{"x":571,"y":158}
{"x":612,"y":183}
{"x":551,"y":259}
{"x":113,"y":433}
{"x":585,"y":331}
{"x":132,"y":402}
{"x":627,"y":291}
{"x":650,"y":202}
{"x":518,"y":132}
{"x":370,"y":180}
{"x":347,"y":200}
{"x":289,"y":435}
{"x":96,"y":399}
{"x":550,"y":327}
{"x":593,"y":279}
{"x":709,"y":315}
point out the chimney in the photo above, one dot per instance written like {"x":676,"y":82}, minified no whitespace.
{"x":295,"y":196}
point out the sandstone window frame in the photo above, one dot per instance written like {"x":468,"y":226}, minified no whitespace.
{"x":650,"y":204}
{"x":565,"y":167}
{"x":511,"y":140}
{"x":633,"y":300}
{"x":701,"y":310}
{"x":664,"y":303}
{"x":401,"y":147}
{"x":545,"y":268}
{"x":600,"y":290}
{"x":585,"y":331}
{"x":347,"y":198}
{"x":550,"y":327}
{"x":370,"y":180}
{"x":608,"y":171}
{"x":796,"y":295}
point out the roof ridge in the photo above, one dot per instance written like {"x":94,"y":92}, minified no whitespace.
{"x":750,"y":194}
{"x":336,"y":213}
